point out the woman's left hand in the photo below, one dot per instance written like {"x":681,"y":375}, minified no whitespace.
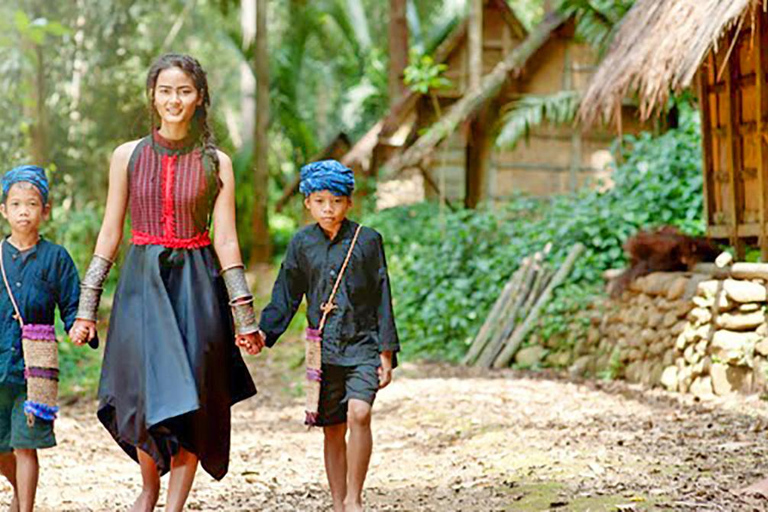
{"x":251,"y":343}
{"x":82,"y":331}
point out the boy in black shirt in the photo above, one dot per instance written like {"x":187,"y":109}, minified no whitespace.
{"x":359,"y":337}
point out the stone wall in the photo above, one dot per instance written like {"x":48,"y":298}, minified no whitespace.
{"x":702,"y":333}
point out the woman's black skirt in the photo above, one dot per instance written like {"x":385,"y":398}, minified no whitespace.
{"x":171,"y":368}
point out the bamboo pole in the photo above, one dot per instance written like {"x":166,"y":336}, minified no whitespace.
{"x":538,"y":287}
{"x":762,"y":154}
{"x":491,"y":321}
{"x":734,"y":162}
{"x":707,"y":131}
{"x":538,"y":284}
{"x":504,"y":317}
{"x":512,"y":315}
{"x":514,"y":341}
{"x":532,"y":297}
{"x":475,"y":44}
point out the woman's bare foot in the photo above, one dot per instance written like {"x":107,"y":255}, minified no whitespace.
{"x":758,"y":488}
{"x":146,"y":501}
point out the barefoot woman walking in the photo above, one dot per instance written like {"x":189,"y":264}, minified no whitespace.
{"x":171,"y":366}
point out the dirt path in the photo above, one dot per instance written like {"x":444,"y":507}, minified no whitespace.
{"x":452,"y":439}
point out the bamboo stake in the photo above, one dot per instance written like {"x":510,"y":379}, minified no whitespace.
{"x":500,"y":325}
{"x":486,"y":331}
{"x":542,"y":279}
{"x":514,"y":341}
{"x":538,"y":286}
{"x":511,"y":305}
{"x":511,"y":316}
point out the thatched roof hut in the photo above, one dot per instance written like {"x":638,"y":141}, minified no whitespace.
{"x":658,"y":48}
{"x":454,"y":150}
{"x":721,"y":48}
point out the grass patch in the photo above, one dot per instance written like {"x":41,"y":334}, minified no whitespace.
{"x":537,"y":496}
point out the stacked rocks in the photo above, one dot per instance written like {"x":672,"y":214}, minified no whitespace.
{"x":703,"y":333}
{"x":723,"y":346}
{"x":637,"y":335}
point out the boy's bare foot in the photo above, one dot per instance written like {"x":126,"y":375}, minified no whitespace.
{"x":353,"y":506}
{"x":146,"y":501}
{"x":759,"y":488}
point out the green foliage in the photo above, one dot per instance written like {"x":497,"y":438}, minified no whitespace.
{"x":447,"y":270}
{"x":529,"y":12}
{"x":80,"y":368}
{"x":596,"y":20}
{"x":423,"y":74}
{"x":532,"y":110}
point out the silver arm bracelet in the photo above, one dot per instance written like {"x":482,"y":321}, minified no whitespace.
{"x":240,"y":299}
{"x":244,"y":316}
{"x":91,"y":288}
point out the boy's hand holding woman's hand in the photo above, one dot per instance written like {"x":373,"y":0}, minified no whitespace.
{"x":251,"y":343}
{"x":82,"y":331}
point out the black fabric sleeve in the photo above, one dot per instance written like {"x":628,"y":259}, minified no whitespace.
{"x":287,"y":293}
{"x":388,"y":339}
{"x":68,"y":289}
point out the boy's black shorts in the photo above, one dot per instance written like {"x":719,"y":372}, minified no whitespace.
{"x":340,"y":383}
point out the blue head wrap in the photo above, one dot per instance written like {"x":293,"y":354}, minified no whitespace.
{"x":327,"y":175}
{"x":29,"y":173}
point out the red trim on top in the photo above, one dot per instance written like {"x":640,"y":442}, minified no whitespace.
{"x":168,"y":180}
{"x":196,"y":242}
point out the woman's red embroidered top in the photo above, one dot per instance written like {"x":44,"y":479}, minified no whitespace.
{"x":171,"y":193}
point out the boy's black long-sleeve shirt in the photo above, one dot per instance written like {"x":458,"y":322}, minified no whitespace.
{"x":40,"y":278}
{"x":363,"y":324}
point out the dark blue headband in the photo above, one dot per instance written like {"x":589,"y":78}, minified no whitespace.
{"x":327,"y":175}
{"x":29,"y":173}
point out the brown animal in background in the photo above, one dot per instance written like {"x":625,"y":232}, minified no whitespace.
{"x":666,"y":249}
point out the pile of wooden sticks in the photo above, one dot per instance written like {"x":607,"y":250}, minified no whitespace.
{"x":517,"y":309}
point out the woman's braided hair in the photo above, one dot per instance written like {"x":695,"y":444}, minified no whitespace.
{"x":200,"y":128}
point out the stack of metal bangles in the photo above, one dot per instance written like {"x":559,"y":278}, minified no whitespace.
{"x":91,"y":287}
{"x":240,"y":299}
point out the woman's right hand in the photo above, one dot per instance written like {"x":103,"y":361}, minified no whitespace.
{"x":82,"y":331}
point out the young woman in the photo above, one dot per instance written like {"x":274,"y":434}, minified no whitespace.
{"x":171,"y":367}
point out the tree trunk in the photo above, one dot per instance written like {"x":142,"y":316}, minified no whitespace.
{"x":479,"y":147}
{"x":35,"y":109}
{"x":472,"y":101}
{"x":475,"y":44}
{"x":261,"y":248}
{"x":398,"y":49}
{"x":247,"y":78}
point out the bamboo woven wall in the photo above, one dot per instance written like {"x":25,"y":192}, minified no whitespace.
{"x":557,"y":159}
{"x":733,"y":111}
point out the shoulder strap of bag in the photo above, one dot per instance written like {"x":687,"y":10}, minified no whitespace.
{"x":8,"y":287}
{"x":329,"y":305}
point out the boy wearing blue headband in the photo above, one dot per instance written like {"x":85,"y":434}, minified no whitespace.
{"x":339,"y":266}
{"x":38,"y":276}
